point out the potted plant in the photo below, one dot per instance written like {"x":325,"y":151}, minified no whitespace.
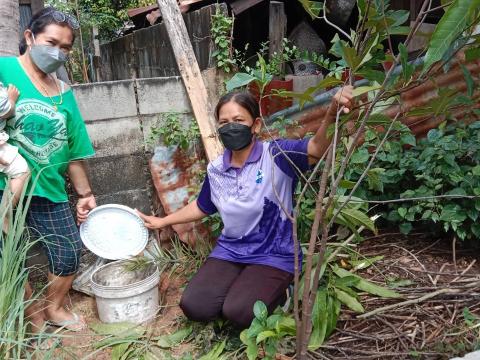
{"x":267,"y":80}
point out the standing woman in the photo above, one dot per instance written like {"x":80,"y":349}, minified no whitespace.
{"x":51,"y":135}
{"x":249,"y":185}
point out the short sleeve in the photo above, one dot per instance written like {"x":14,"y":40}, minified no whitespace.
{"x":204,"y":200}
{"x":79,"y":142}
{"x":295,"y":150}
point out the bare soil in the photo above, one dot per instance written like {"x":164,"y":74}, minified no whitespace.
{"x":433,"y":328}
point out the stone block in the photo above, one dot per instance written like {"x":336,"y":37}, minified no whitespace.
{"x":136,"y":199}
{"x":106,"y":100}
{"x":117,"y":173}
{"x":161,"y":95}
{"x":113,"y":137}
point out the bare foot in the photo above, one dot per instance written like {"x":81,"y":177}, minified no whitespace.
{"x":63,"y":318}
{"x":41,"y":339}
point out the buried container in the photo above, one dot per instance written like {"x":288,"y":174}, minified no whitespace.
{"x":126,"y":295}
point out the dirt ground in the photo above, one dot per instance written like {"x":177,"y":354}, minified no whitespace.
{"x":429,"y":328}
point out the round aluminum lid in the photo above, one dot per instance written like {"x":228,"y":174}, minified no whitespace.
{"x":114,"y":232}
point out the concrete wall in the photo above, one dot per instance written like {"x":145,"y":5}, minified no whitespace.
{"x":119,"y":116}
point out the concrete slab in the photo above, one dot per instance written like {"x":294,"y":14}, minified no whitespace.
{"x":116,"y":136}
{"x":117,"y":173}
{"x":136,"y":199}
{"x":161,"y":95}
{"x":106,"y":100}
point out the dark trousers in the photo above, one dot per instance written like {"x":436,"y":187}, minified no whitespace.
{"x":228,"y":289}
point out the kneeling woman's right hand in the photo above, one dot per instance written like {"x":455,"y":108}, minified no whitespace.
{"x":150,"y":221}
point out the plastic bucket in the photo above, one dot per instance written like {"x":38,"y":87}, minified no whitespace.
{"x":126,"y":295}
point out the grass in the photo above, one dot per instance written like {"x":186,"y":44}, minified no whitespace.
{"x":15,"y":338}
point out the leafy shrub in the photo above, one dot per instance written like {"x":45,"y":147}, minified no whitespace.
{"x":446,"y":162}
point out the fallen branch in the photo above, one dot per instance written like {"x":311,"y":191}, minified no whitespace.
{"x":408,"y":302}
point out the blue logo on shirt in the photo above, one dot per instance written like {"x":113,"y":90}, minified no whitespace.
{"x":259,"y":178}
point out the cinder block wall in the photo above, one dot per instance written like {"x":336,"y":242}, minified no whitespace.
{"x":119,"y":116}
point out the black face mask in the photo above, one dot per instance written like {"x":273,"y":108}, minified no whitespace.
{"x":235,"y":136}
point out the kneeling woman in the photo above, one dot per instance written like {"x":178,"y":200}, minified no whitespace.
{"x":254,"y":256}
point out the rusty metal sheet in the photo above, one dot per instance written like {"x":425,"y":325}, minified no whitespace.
{"x":416,"y":97}
{"x":171,"y":171}
{"x":141,"y":10}
{"x":239,"y":6}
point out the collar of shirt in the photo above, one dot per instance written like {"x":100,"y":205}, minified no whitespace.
{"x":254,"y":155}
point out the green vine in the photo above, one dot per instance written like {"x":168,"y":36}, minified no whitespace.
{"x":173,"y":132}
{"x":221,"y":35}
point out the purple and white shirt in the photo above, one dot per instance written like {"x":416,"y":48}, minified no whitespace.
{"x":256,"y":229}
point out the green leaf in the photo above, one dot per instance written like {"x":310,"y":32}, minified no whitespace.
{"x":450,"y":26}
{"x":171,"y":340}
{"x":374,"y":289}
{"x":286,"y":325}
{"x":405,"y":228}
{"x":365,"y":285}
{"x":396,"y":283}
{"x":215,"y":353}
{"x":265,"y":335}
{"x":260,"y":310}
{"x":476,"y":170}
{"x":349,"y":301}
{"x":378,"y":119}
{"x":360,"y":157}
{"x":358,"y":218}
{"x":452,"y":213}
{"x":346,"y":184}
{"x":407,"y":69}
{"x":472,"y":54}
{"x":252,"y":347}
{"x":319,"y":321}
{"x":256,"y":327}
{"x":365,"y":263}
{"x":364,"y":89}
{"x":470,"y":319}
{"x":313,"y":8}
{"x":346,"y":281}
{"x":350,"y":57}
{"x":119,"y":350}
{"x":239,"y":80}
{"x":468,"y":80}
{"x":333,"y":310}
{"x":408,"y":139}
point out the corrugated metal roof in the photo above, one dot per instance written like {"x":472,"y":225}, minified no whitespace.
{"x":416,"y":97}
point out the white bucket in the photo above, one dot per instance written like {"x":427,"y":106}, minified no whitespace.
{"x":124,"y":295}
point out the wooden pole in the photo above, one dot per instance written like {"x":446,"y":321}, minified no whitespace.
{"x":277,"y":28}
{"x":192,"y":78}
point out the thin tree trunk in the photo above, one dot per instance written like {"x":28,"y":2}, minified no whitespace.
{"x":9,"y":27}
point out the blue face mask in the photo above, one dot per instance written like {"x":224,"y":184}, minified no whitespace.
{"x":47,"y":58}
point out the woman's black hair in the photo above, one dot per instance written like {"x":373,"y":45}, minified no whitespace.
{"x":39,"y":21}
{"x":242,"y":98}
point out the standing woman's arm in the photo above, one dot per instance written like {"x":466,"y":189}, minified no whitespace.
{"x":81,"y":184}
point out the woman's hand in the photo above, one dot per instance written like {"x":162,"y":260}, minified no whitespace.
{"x":84,"y":205}
{"x":343,"y":97}
{"x":151,"y":222}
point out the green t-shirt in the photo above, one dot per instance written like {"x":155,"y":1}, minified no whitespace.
{"x":47,"y":138}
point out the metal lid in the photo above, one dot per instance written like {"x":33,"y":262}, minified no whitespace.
{"x":114,"y":232}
